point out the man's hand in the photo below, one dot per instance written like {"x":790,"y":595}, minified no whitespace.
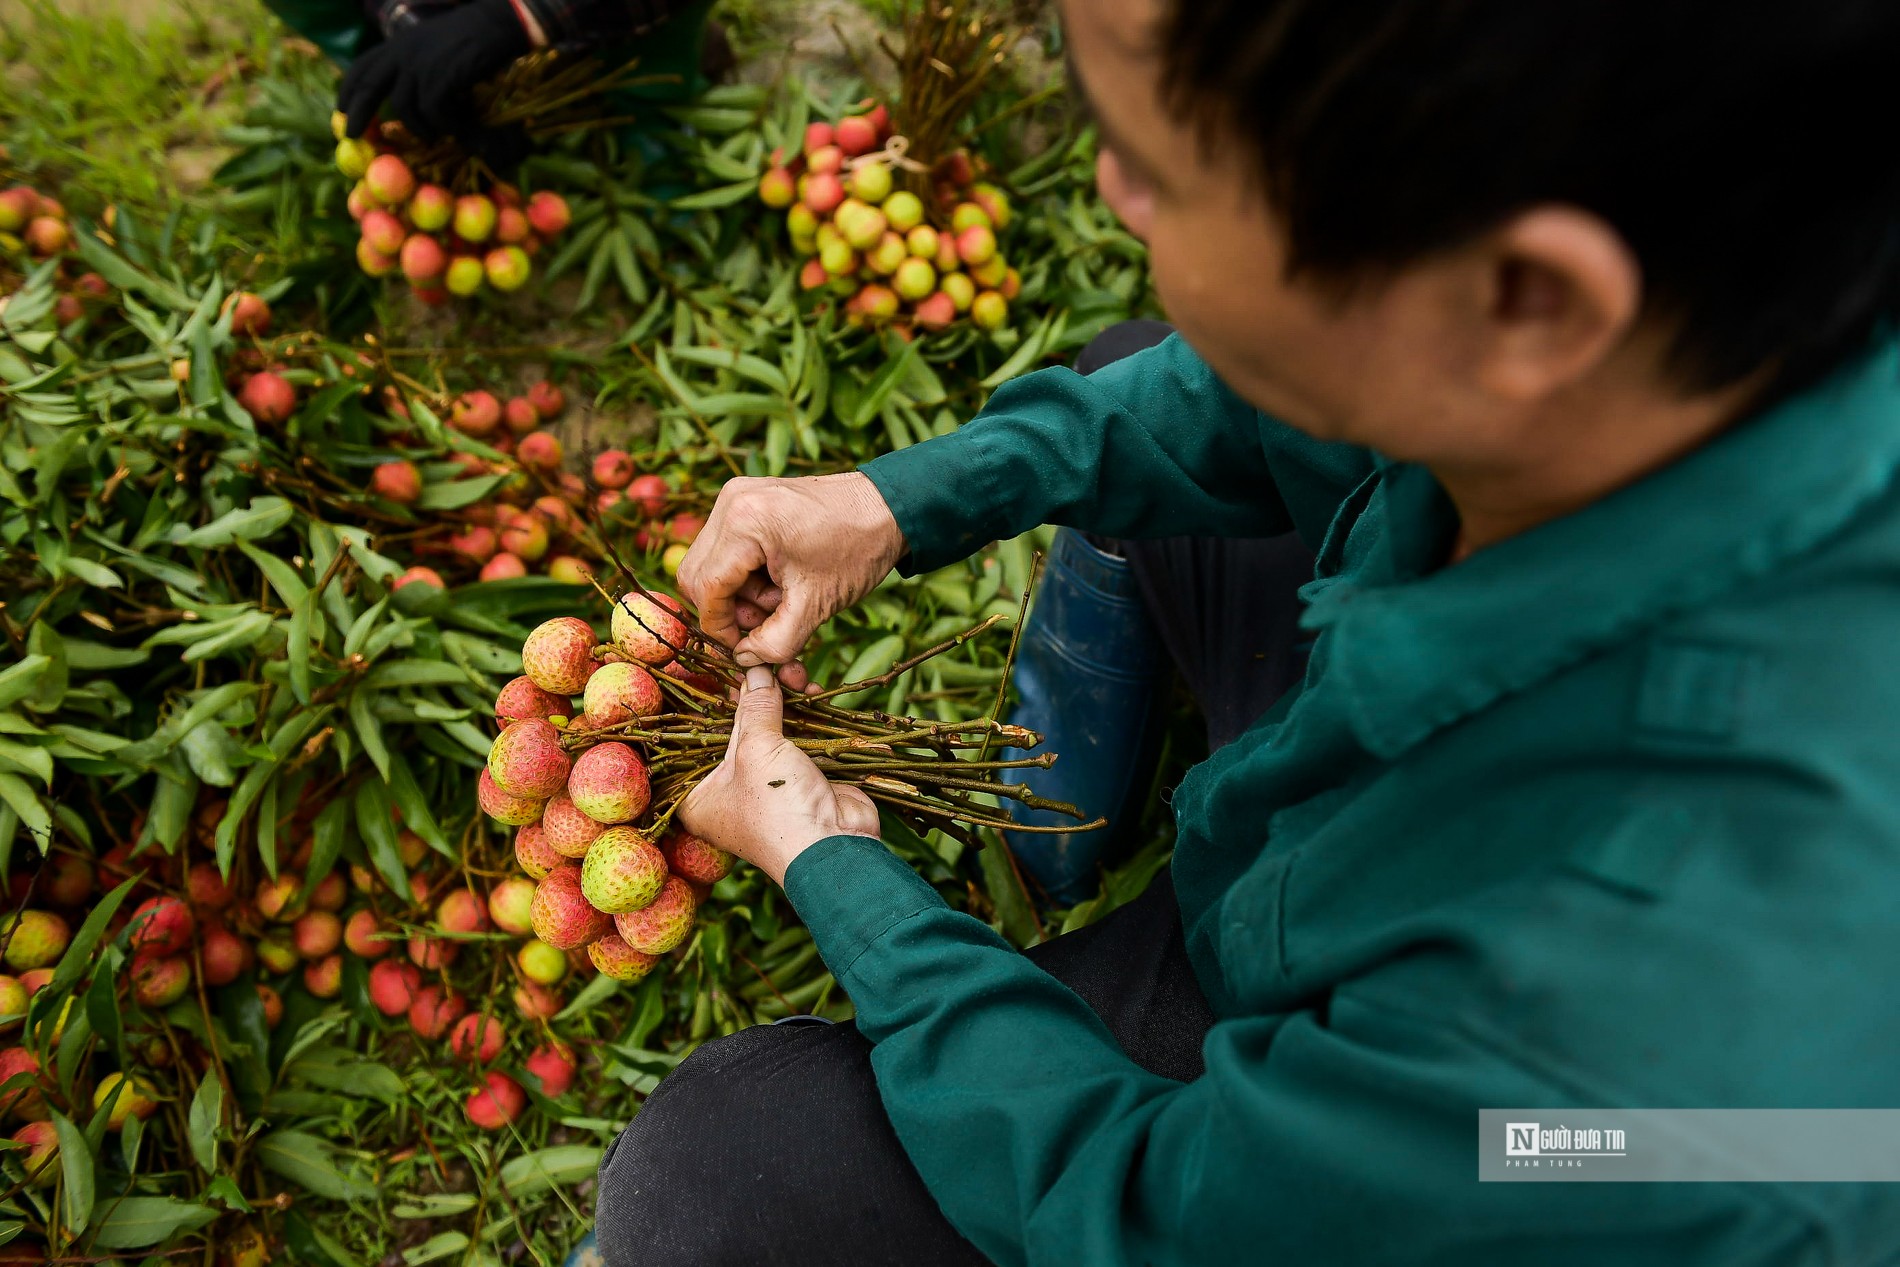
{"x":767,"y":802}
{"x":779,"y":557}
{"x":425,"y":73}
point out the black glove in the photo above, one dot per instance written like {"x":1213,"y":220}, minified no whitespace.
{"x":425,"y":73}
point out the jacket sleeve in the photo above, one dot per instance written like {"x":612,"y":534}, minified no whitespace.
{"x":1153,"y":445}
{"x":1343,"y":1137}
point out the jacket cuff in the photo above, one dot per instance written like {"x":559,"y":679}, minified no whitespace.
{"x":850,"y":891}
{"x":938,"y":492}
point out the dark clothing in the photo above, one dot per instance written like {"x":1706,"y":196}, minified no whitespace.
{"x":580,"y":23}
{"x":770,"y":1148}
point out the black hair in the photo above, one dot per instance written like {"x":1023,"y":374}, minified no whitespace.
{"x":1748,"y":151}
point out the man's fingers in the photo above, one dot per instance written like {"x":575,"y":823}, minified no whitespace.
{"x":784,"y":633}
{"x":857,"y":812}
{"x":761,"y":712}
{"x":363,"y":90}
{"x":712,"y":581}
{"x":792,"y":674}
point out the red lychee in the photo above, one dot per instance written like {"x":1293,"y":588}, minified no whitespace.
{"x":324,"y":977}
{"x":539,"y":451}
{"x":533,"y":854}
{"x":548,"y":213}
{"x":521,"y":700}
{"x":500,"y":1101}
{"x":316,"y":934}
{"x":503,"y":567}
{"x":475,"y":413}
{"x":548,"y":400}
{"x":527,"y":759}
{"x":619,"y":693}
{"x":426,"y":577}
{"x":161,"y":926}
{"x":609,"y":783}
{"x":462,"y":912}
{"x":398,"y":481}
{"x":363,"y":935}
{"x":389,"y":180}
{"x":645,"y":631}
{"x":330,"y":892}
{"x":281,"y":899}
{"x":226,"y":956}
{"x":613,"y":468}
{"x":477,"y":545}
{"x":520,"y":416}
{"x":39,"y":1153}
{"x":554,"y":1065}
{"x":206,"y":888}
{"x":536,"y":1002}
{"x":25,"y":1101}
{"x":691,"y":858}
{"x":511,"y":905}
{"x":559,"y":655}
{"x":561,"y":913}
{"x":505,"y":807}
{"x":663,"y":923}
{"x":159,"y":981}
{"x":268,"y":397}
{"x":623,"y":871}
{"x":650,"y":492}
{"x":434,"y":1010}
{"x":477,"y":1039}
{"x":432,"y":953}
{"x":616,"y":959}
{"x":393,"y":986}
{"x":273,"y":1004}
{"x":65,"y":879}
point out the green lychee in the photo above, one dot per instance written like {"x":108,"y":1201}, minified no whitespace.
{"x":623,"y":871}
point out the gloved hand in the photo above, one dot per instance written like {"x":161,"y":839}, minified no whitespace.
{"x":425,"y":73}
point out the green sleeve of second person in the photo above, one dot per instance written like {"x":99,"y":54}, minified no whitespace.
{"x":1153,"y":445}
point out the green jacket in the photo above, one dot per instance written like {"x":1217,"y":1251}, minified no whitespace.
{"x":1607,"y":815}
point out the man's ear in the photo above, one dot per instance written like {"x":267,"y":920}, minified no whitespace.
{"x":1562,"y":290}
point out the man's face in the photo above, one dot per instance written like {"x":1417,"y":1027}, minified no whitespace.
{"x":1369,"y":370}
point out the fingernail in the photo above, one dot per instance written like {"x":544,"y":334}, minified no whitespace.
{"x":746,"y":659}
{"x":759,"y":678}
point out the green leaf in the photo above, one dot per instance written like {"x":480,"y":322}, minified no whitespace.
{"x":457,"y":493}
{"x":369,"y":731}
{"x":264,"y":516}
{"x":18,"y":795}
{"x":551,"y":1168}
{"x":76,"y":1167}
{"x":307,"y":1161}
{"x":326,"y":837}
{"x":139,"y":1222}
{"x":28,"y":760}
{"x":412,"y":804}
{"x":282,"y":577}
{"x":870,"y":661}
{"x":95,"y":574}
{"x":203,"y":1121}
{"x":17,"y":681}
{"x":72,"y":965}
{"x":724,"y":196}
{"x":437,"y":1247}
{"x":379,"y":834}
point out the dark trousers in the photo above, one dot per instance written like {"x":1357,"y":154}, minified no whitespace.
{"x":770,"y":1147}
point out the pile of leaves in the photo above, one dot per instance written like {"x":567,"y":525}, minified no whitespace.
{"x":213,"y":671}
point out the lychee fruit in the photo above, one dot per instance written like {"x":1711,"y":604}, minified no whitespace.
{"x":623,"y":871}
{"x":432,"y":953}
{"x":554,"y":1065}
{"x":526,"y":535}
{"x":569,"y":570}
{"x":226,"y":956}
{"x":506,"y":268}
{"x":268,"y":397}
{"x":511,"y":905}
{"x":277,"y":952}
{"x":503,"y":567}
{"x":34,"y":939}
{"x":316,"y":934}
{"x":615,"y":958}
{"x":609,"y":783}
{"x":559,"y":655}
{"x":47,"y":236}
{"x":499,"y":1102}
{"x":505,"y":807}
{"x":663,"y":923}
{"x":645,"y":631}
{"x":159,"y":981}
{"x":389,"y":180}
{"x":25,"y":1101}
{"x":324,"y":977}
{"x":511,"y":226}
{"x":129,"y":1098}
{"x":465,"y":275}
{"x":393,"y":986}
{"x":536,"y":1002}
{"x":522,"y":700}
{"x":527,"y":759}
{"x":462,"y":912}
{"x":65,"y":879}
{"x":475,"y":413}
{"x":621,"y":692}
{"x":539,"y":451}
{"x":39,"y":1151}
{"x":426,"y":577}
{"x":477,"y":1039}
{"x":561,"y":913}
{"x":548,"y":400}
{"x":477,"y":545}
{"x":540,"y":963}
{"x":691,"y":858}
{"x":533,"y":854}
{"x":431,"y":208}
{"x":548,"y":213}
{"x":650,"y":492}
{"x":363,"y":935}
{"x":281,"y":900}
{"x":398,"y":481}
{"x":566,"y":829}
{"x":206,"y":888}
{"x":856,"y":135}
{"x":520,"y":416}
{"x":13,"y":1000}
{"x":160,"y":926}
{"x":613,"y":468}
{"x":382,"y":232}
{"x":434,"y":1010}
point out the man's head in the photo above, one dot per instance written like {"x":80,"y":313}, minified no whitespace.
{"x":1422,"y":225}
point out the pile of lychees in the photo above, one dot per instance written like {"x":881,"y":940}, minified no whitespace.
{"x":444,"y":244}
{"x":34,"y":224}
{"x":605,"y":882}
{"x":895,"y":257}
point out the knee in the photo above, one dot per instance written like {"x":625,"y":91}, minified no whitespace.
{"x":1124,"y":338}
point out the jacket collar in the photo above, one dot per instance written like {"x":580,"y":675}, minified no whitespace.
{"x":1416,"y":653}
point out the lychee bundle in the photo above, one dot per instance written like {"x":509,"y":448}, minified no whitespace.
{"x":445,"y":244}
{"x":593,"y":790}
{"x":34,"y":225}
{"x":895,"y":257}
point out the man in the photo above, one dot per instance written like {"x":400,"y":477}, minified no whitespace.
{"x":1565,"y":332}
